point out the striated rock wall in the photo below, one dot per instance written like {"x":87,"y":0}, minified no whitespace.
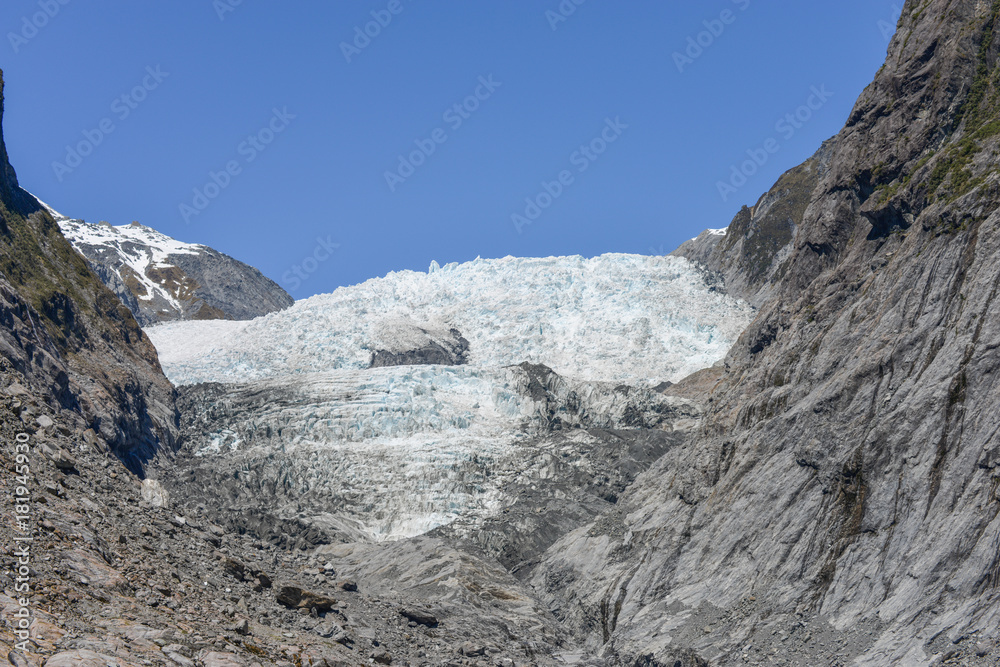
{"x":841,"y":499}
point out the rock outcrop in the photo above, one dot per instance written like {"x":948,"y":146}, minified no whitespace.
{"x":403,"y":342}
{"x":749,"y":254}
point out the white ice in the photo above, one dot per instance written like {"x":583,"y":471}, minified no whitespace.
{"x":626,"y":318}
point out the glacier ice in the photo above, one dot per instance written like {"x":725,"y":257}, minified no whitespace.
{"x":402,"y":450}
{"x":627,"y":318}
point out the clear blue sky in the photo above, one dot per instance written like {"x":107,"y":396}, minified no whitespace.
{"x":323,"y":176}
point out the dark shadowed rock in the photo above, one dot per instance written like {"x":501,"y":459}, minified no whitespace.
{"x":295,"y":596}
{"x":419,"y":616}
{"x":749,"y":254}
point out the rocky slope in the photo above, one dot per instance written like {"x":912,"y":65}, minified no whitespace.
{"x":840,"y":502}
{"x":161,"y":279}
{"x":70,"y":339}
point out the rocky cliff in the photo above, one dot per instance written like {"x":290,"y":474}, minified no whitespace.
{"x":70,"y":339}
{"x":161,"y":279}
{"x":749,"y":254}
{"x":840,"y":502}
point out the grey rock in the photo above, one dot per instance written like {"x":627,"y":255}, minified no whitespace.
{"x":152,"y":492}
{"x":402,"y":342}
{"x":329,"y":630}
{"x":233,"y":567}
{"x":80,"y":658}
{"x":59,"y":456}
{"x":175,"y":653}
{"x":221,"y":659}
{"x":470,"y":650}
{"x":17,"y":659}
{"x":15,"y":389}
{"x":419,"y":617}
{"x":201,"y":283}
{"x":381,"y":657}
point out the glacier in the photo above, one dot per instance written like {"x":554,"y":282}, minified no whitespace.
{"x":393,"y":452}
{"x":627,"y":318}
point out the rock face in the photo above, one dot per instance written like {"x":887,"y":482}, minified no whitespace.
{"x":71,"y":339}
{"x":161,"y":279}
{"x":842,"y":494}
{"x":403,"y":342}
{"x":753,"y":249}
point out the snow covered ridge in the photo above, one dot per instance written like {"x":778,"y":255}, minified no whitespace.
{"x":162,"y":279}
{"x":140,"y":247}
{"x":620,"y":318}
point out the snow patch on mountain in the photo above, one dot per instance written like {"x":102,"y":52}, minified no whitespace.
{"x":140,"y":247}
{"x":624,"y":318}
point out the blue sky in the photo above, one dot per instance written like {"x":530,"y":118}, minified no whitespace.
{"x":274,"y":132}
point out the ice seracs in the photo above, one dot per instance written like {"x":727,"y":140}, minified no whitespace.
{"x":626,"y":318}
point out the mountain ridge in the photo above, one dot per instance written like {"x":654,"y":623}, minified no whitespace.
{"x":161,"y":279}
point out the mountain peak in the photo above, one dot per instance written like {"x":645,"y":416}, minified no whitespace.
{"x":162,"y":279}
